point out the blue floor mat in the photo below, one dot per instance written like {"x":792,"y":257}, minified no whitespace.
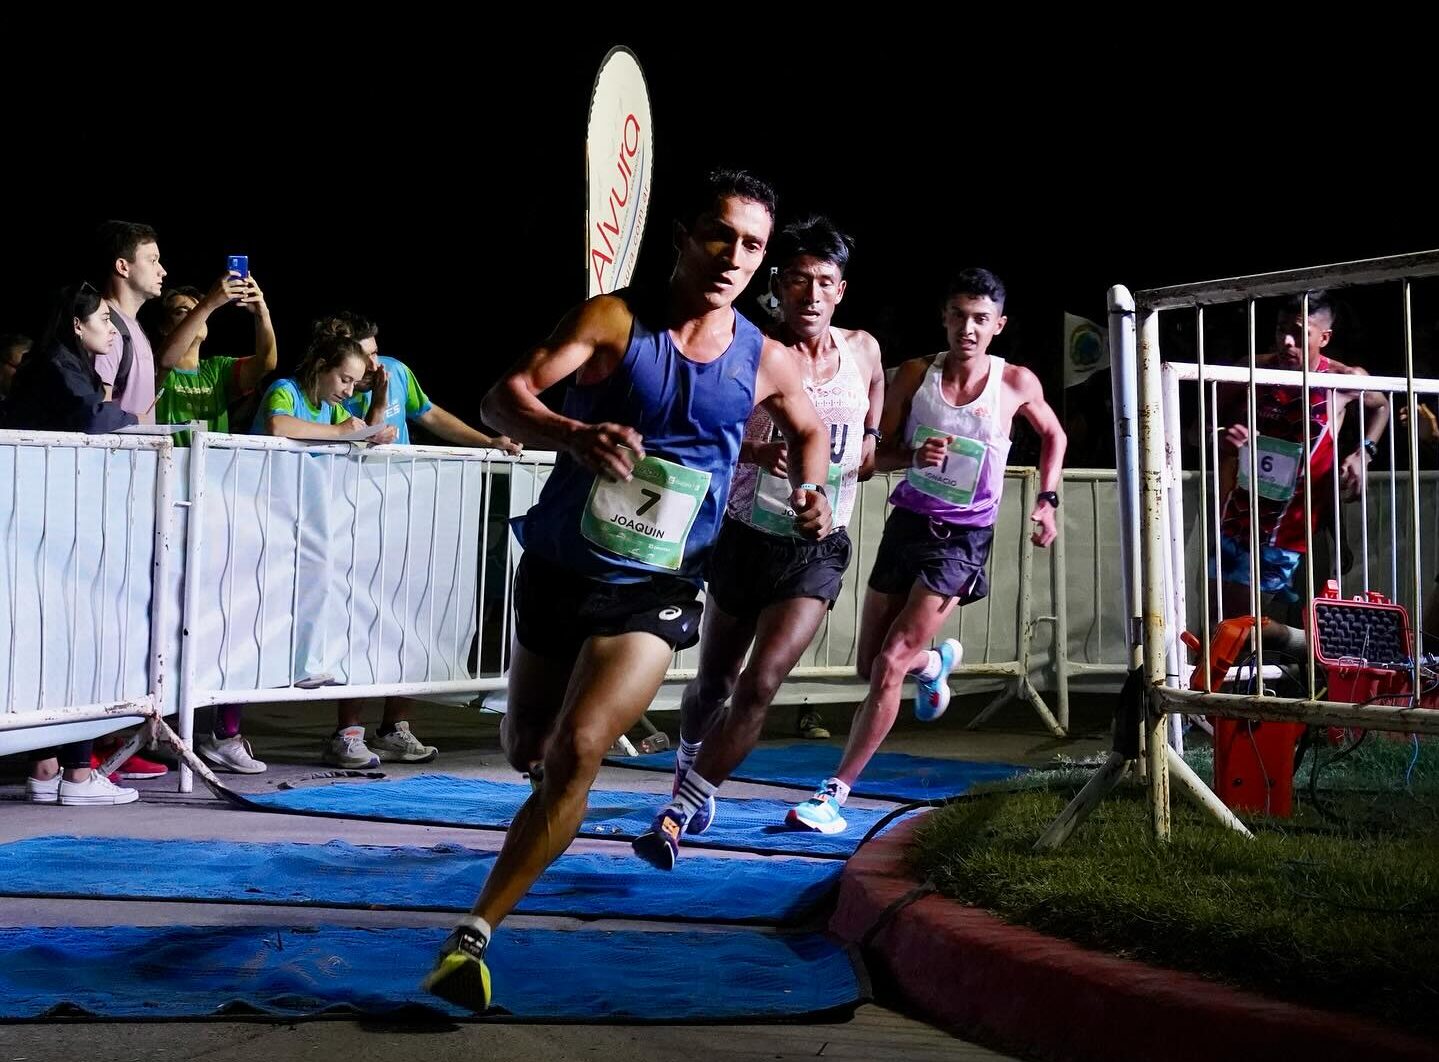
{"x":538,"y":974}
{"x":443,"y":800}
{"x":445,"y":877}
{"x":889,"y":776}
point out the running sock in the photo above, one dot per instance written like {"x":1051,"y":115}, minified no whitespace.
{"x":930,"y":669}
{"x":838,"y":788}
{"x":693,"y":793}
{"x":476,"y":924}
{"x":686,"y":756}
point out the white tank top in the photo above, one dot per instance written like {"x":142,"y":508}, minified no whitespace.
{"x":842,"y":402}
{"x":966,"y":489}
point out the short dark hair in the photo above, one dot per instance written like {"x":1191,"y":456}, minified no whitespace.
{"x":976,"y":283}
{"x":181,"y":290}
{"x":1320,"y":301}
{"x":119,"y":239}
{"x":15,"y":341}
{"x":725,"y":184}
{"x":815,"y":237}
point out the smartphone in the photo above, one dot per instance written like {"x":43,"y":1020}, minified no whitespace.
{"x":240,"y":263}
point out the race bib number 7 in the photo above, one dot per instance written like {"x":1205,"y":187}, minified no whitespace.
{"x":647,"y":518}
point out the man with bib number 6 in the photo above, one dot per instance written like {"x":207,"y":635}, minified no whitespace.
{"x":615,"y":546}
{"x":1284,"y":475}
{"x":946,"y":420}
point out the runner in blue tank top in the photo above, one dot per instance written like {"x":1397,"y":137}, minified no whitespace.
{"x":615,"y":546}
{"x":767,"y":588}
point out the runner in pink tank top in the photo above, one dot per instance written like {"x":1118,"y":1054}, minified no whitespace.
{"x":946,"y":421}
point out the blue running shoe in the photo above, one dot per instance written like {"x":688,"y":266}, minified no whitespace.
{"x":931,"y":696}
{"x":821,"y":812}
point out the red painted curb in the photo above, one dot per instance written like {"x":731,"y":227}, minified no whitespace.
{"x":971,"y":972}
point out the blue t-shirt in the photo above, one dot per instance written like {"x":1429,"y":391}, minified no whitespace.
{"x":406,"y":399}
{"x":284,"y":396}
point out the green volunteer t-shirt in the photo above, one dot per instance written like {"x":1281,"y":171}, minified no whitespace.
{"x":285,"y":396}
{"x":204,"y":394}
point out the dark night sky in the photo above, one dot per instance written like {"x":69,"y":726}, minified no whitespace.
{"x":448,"y":203}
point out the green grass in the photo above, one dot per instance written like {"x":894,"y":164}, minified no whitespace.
{"x":1338,"y":908}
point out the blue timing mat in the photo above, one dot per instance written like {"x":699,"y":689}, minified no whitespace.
{"x":443,"y":800}
{"x":889,"y":776}
{"x":538,"y":974}
{"x":445,"y":877}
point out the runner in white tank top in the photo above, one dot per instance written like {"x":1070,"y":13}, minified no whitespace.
{"x":947,"y":422}
{"x":765,"y":585}
{"x":760,"y":498}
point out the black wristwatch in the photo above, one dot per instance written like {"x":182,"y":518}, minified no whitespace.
{"x":1371,"y":448}
{"x":1049,"y":496}
{"x":878,"y":435}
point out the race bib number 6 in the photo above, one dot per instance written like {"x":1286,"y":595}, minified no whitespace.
{"x":1279,"y":462}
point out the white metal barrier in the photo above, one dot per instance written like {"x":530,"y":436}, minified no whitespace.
{"x":1164,"y":566}
{"x":353,"y":570}
{"x":370,"y":553}
{"x":87,"y":538}
{"x":144,"y":579}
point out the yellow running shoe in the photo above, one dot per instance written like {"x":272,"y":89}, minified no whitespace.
{"x":460,"y":975}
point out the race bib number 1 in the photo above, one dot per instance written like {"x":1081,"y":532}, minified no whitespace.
{"x":955,"y":480}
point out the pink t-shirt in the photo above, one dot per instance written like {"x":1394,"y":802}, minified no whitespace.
{"x":139,"y":394}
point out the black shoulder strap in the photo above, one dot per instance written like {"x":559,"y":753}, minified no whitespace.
{"x":127,"y":356}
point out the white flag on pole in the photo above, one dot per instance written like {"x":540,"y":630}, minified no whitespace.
{"x":1086,"y":349}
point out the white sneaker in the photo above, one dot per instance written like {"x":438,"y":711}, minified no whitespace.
{"x":43,"y":792}
{"x":314,"y":682}
{"x":231,"y":754}
{"x":401,"y":746}
{"x":97,"y":790}
{"x":347,"y":749}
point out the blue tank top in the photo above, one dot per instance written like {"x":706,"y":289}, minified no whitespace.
{"x":691,"y":418}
